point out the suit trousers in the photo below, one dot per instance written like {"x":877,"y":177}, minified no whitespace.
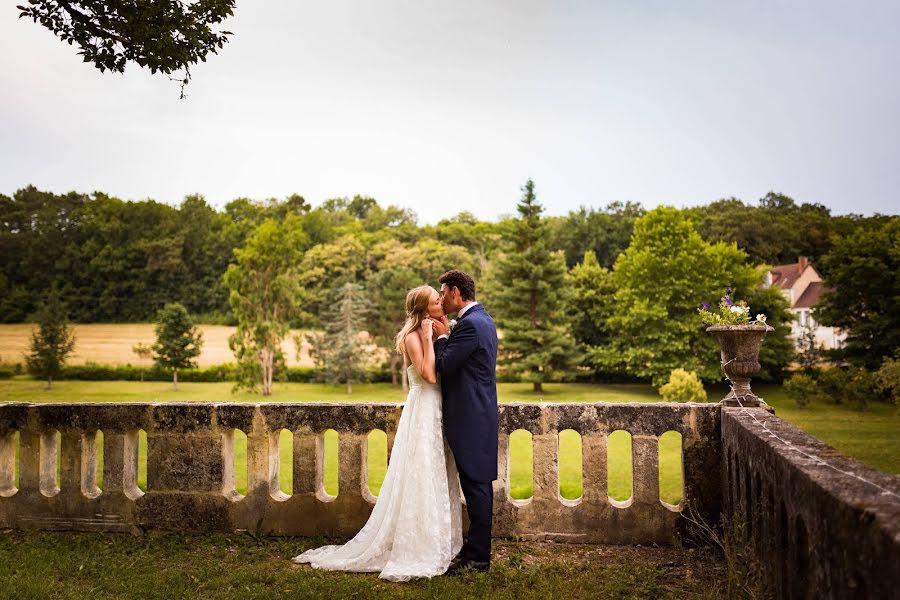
{"x":480,"y":506}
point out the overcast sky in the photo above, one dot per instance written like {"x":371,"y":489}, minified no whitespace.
{"x":449,"y":106}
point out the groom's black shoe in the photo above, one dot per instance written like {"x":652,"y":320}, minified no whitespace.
{"x":467,"y":565}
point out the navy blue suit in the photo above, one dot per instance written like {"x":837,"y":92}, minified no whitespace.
{"x":467,"y":363}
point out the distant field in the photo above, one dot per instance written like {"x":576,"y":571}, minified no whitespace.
{"x":110,"y":344}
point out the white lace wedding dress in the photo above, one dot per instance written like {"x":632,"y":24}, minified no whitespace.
{"x":415,"y":528}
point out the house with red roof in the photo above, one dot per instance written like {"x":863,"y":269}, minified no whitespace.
{"x":802,"y":285}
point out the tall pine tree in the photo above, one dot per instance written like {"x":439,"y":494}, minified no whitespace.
{"x":528,"y":300}
{"x":339,"y":352}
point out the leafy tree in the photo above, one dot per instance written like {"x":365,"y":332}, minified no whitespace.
{"x":162,"y":35}
{"x":339,"y":353}
{"x":265,"y":296}
{"x":683,"y":386}
{"x":605,"y":232}
{"x":666,"y":272}
{"x":536,"y":344}
{"x":863,"y":272}
{"x":328,"y":265}
{"x":778,"y":350}
{"x":52,"y":342}
{"x":589,"y":303}
{"x":178,"y":341}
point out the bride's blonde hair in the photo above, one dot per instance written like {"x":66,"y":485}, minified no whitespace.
{"x":417,"y":300}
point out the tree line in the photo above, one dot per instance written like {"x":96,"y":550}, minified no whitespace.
{"x":598,"y":292}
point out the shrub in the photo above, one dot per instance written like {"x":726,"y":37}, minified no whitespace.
{"x":887,"y":379}
{"x":852,"y":384}
{"x":7,"y":371}
{"x":683,"y":386}
{"x":95,"y":372}
{"x":213,"y":374}
{"x":802,"y":389}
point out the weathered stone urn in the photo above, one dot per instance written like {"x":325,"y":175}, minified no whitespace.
{"x":740,"y":346}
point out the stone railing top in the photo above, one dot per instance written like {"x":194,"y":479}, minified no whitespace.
{"x":652,"y":418}
{"x":848,"y":481}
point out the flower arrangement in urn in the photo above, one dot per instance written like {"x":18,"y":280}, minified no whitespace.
{"x":740,"y":340}
{"x":729,"y":313}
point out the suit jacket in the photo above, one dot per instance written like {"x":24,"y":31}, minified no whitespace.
{"x":467,"y":363}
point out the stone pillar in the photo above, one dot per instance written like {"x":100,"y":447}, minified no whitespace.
{"x":185,"y":470}
{"x":184,"y":463}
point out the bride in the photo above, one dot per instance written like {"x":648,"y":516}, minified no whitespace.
{"x":415,"y":528}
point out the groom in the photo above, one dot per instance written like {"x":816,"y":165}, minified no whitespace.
{"x":467,"y":362}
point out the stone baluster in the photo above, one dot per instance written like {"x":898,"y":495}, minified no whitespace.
{"x":47,"y":452}
{"x":78,"y":471}
{"x":7,"y":463}
{"x":594,"y":470}
{"x":352,"y":461}
{"x":305,"y":462}
{"x":546,"y":467}
{"x":645,"y":468}
{"x":501,"y":485}
{"x":274,"y":466}
{"x":120,"y":463}
{"x":259,"y":467}
{"x":29,"y":461}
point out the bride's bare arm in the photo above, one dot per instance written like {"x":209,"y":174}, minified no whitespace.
{"x":421,"y":352}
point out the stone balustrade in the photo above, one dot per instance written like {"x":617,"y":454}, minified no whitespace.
{"x":820,"y":525}
{"x":190,"y":468}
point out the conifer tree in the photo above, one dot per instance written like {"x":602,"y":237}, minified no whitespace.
{"x":52,"y":342}
{"x":528,"y":300}
{"x":339,"y":353}
{"x":178,"y":341}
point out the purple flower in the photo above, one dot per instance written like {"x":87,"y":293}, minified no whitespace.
{"x":728,"y":302}
{"x":705,"y":306}
{"x":728,"y":292}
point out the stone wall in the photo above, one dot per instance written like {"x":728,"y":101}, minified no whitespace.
{"x":818,"y":531}
{"x":190,"y":478}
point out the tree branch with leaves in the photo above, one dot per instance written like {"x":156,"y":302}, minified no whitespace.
{"x":161,"y":35}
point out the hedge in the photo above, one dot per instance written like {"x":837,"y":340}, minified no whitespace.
{"x":213,"y":374}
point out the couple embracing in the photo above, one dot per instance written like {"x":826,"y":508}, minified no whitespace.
{"x":446,"y":439}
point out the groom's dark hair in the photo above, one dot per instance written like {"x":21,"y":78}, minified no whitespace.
{"x":462,"y":281}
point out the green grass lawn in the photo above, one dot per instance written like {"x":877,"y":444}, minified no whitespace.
{"x":870,"y":437}
{"x":172,"y":565}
